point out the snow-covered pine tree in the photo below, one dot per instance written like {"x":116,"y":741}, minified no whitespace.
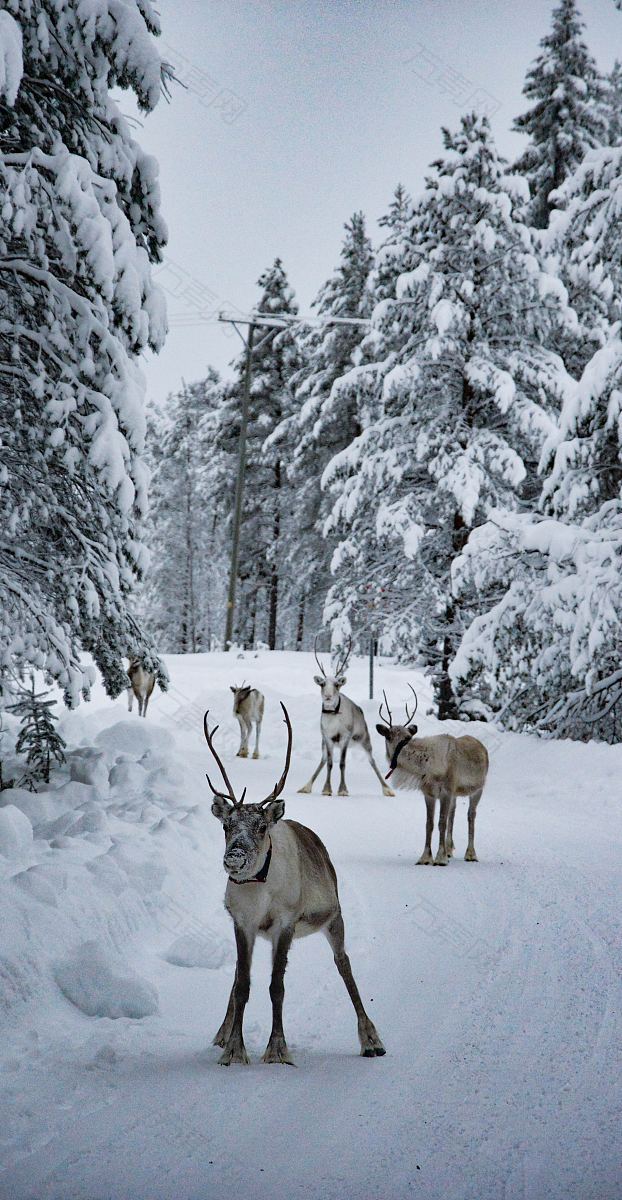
{"x":38,"y":738}
{"x":319,"y":426}
{"x":388,"y":258}
{"x":79,"y":227}
{"x":547,"y":651}
{"x":566,"y":116}
{"x":266,"y":494}
{"x":584,"y":236}
{"x":464,"y":404}
{"x":182,"y":597}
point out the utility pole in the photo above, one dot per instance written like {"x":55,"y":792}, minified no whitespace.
{"x":239,"y":489}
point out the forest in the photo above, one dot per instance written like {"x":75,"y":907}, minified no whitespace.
{"x":442,"y":474}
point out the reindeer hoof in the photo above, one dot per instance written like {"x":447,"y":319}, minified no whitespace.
{"x":386,"y":791}
{"x":326,"y":791}
{"x":343,"y":792}
{"x":305,"y":791}
{"x":471,"y":856}
{"x":371,"y":1046}
{"x":234,"y":1054}
{"x":242,"y":753}
{"x":256,"y":754}
{"x":425,"y":861}
{"x":441,"y":860}
{"x":277,"y":1052}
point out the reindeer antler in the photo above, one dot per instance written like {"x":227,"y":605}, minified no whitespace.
{"x":342,"y":662}
{"x":278,"y":787}
{"x":321,"y":668}
{"x":230,"y":794}
{"x":410,"y":718}
{"x":390,"y":717}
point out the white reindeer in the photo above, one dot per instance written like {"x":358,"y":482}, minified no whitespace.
{"x":442,"y":767}
{"x":282,"y":885}
{"x":142,"y":683}
{"x":342,"y":723}
{"x":248,"y":706}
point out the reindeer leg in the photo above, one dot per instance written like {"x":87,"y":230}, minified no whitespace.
{"x":145,"y":703}
{"x":343,"y":791}
{"x":307,"y":787}
{"x":235,"y":1050}
{"x":224,"y":1033}
{"x":442,"y":859}
{"x":386,"y":790}
{"x":474,"y":800}
{"x":242,"y":752}
{"x":257,"y":732}
{"x":426,"y":857}
{"x":130,"y":699}
{"x":450,"y":828}
{"x":140,"y":705}
{"x":368,"y":1034}
{"x":327,"y":789}
{"x":276,"y":1050}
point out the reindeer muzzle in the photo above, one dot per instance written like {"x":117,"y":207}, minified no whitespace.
{"x":395,"y":755}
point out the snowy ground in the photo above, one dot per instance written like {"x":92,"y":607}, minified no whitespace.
{"x":494,"y":985}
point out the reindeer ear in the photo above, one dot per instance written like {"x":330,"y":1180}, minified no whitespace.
{"x":340,"y":680}
{"x":384,"y":730}
{"x":412,"y":729}
{"x":221,"y":807}
{"x":274,"y":811}
{"x":319,"y":679}
{"x":232,"y":688}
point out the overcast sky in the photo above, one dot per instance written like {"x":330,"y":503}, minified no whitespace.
{"x":295,"y":114}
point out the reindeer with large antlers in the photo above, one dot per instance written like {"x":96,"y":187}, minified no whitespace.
{"x":281,"y":885}
{"x":442,"y":767}
{"x":342,"y":723}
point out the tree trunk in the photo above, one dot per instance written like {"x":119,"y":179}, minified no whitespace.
{"x":301,"y":623}
{"x":446,"y":699}
{"x":274,"y":571}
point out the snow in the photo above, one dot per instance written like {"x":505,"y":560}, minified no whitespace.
{"x":11,"y":62}
{"x":493,"y":985}
{"x":103,"y":985}
{"x":15,"y":833}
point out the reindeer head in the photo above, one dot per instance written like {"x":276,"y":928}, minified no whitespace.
{"x":246,"y":826}
{"x":397,"y":736}
{"x":331,"y":685}
{"x":240,"y":694}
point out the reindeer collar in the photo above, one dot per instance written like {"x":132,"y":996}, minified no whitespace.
{"x":262,"y":875}
{"x":394,"y":756}
{"x":331,"y":712}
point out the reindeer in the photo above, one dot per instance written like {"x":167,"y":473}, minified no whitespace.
{"x":248,"y":706}
{"x":142,"y":683}
{"x":281,"y":885}
{"x":442,"y":767}
{"x":342,"y":722}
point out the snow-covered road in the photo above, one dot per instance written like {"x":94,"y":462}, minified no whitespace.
{"x":495,"y":986}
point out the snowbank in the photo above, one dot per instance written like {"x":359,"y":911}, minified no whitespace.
{"x":104,"y":985}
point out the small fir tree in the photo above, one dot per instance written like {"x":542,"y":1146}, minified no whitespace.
{"x":38,"y":739}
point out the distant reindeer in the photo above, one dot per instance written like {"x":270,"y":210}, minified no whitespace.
{"x":282,"y":885}
{"x":342,"y":722}
{"x":442,"y":767}
{"x":142,"y":683}
{"x":248,"y":705}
